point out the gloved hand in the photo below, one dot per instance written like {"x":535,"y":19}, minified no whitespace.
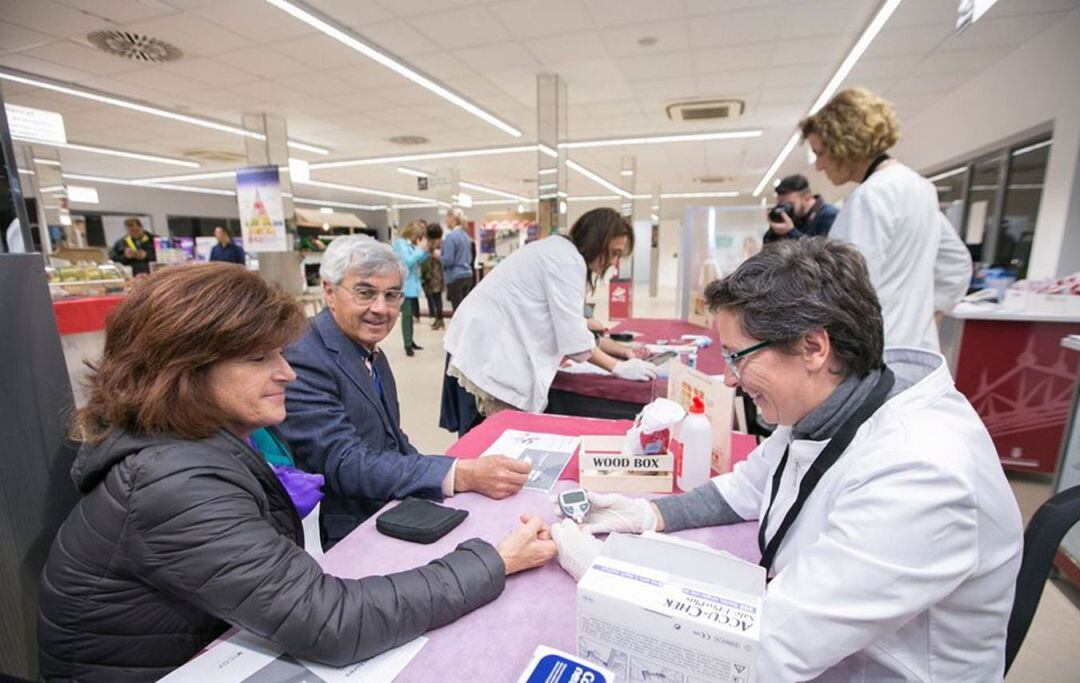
{"x":612,"y":512}
{"x":577,"y":549}
{"x":635,"y":369}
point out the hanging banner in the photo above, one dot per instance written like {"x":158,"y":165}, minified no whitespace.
{"x":262,"y":215}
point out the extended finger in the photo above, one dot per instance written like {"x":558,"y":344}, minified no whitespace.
{"x":516,"y":465}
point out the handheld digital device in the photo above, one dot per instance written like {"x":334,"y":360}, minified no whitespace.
{"x":622,"y":336}
{"x":574,"y":504}
{"x":661,"y":358}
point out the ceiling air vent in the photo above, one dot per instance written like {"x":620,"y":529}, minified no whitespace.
{"x":703,"y":110}
{"x":713,"y":179}
{"x":134,"y":46}
{"x":409,"y":140}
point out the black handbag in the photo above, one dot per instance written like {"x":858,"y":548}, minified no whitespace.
{"x":419,"y":520}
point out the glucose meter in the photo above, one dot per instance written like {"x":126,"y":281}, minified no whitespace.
{"x":574,"y":504}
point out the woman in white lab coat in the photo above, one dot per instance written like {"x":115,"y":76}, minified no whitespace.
{"x":900,"y":563}
{"x":506,"y":340}
{"x":917,"y":262}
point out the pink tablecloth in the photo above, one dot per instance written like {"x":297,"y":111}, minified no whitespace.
{"x":709,"y":361}
{"x":538,"y":607}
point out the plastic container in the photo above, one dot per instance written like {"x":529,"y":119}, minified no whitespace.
{"x":696,"y":437}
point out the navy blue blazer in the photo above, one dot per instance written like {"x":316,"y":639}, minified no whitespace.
{"x":338,"y":427}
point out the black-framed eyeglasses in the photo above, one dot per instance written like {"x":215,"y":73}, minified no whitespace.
{"x":365,"y":296}
{"x":730,"y":359}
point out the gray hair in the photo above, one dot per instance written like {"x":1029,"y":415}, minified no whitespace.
{"x":358,"y":254}
{"x":794,"y":286}
{"x":457,"y":213}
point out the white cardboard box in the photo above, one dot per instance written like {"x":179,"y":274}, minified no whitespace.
{"x":651,"y":608}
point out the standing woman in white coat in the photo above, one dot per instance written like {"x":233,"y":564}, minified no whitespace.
{"x":885,"y":523}
{"x":917,"y":262}
{"x":506,"y":340}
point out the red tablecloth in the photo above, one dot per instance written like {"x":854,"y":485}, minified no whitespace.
{"x":709,"y":360}
{"x":483,"y":435}
{"x":84,"y":314}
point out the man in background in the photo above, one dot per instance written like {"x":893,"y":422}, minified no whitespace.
{"x":226,"y":250}
{"x":457,"y":257}
{"x":136,"y":248}
{"x":801,"y":213}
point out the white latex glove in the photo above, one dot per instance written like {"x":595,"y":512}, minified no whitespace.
{"x":611,"y":512}
{"x":635,"y":369}
{"x":577,"y":549}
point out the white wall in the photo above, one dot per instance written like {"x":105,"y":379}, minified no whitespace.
{"x":158,"y":204}
{"x":1037,"y":86}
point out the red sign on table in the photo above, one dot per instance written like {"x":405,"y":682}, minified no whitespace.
{"x":620,"y":298}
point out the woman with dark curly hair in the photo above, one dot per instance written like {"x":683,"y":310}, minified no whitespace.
{"x":917,"y":262}
{"x":183,"y":529}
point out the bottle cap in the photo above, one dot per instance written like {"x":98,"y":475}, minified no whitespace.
{"x":697,"y":406}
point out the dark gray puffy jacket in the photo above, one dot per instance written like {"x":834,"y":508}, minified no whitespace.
{"x":175,"y":540}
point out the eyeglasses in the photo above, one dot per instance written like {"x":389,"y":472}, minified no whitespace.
{"x":730,"y":359}
{"x":365,"y":296}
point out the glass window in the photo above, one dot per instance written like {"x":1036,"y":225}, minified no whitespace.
{"x":983,"y":197}
{"x":1027,"y":169}
{"x":952,"y":190}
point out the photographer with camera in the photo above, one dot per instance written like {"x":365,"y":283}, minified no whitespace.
{"x":798,"y":212}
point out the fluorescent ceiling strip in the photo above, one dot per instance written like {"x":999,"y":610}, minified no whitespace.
{"x":47,"y":162}
{"x":876,"y":24}
{"x":607,"y":185}
{"x":209,"y":175}
{"x":548,"y":171}
{"x":947,"y":174}
{"x":659,"y":139}
{"x":103,"y":98}
{"x":365,"y":190}
{"x":548,"y":151}
{"x":697,"y":195}
{"x":491,"y":190}
{"x":370,"y":161}
{"x":343,"y":35}
{"x":121,"y":181}
{"x":1032,"y":148}
{"x":49,"y":189}
{"x":594,"y":198}
{"x":412,"y":171}
{"x":26,"y":171}
{"x":340,"y":205}
{"x":501,"y":202}
{"x":111,"y":152}
{"x":306,"y":147}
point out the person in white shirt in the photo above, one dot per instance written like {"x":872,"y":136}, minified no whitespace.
{"x":886,"y":525}
{"x":506,"y":340}
{"x":917,"y":262}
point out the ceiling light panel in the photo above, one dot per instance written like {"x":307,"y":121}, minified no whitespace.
{"x":77,"y":147}
{"x":424,"y":156}
{"x":344,"y":35}
{"x":660,"y":139}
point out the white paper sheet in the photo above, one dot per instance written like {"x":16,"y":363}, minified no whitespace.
{"x":548,"y":454}
{"x":247,"y":658}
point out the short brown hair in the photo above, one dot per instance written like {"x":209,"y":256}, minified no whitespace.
{"x":412,"y":231}
{"x":594,"y":231}
{"x":794,"y":286}
{"x":855,"y":125}
{"x":161,"y":341}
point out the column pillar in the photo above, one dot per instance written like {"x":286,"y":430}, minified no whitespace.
{"x":551,"y":177}
{"x":654,"y":253}
{"x":50,"y":194}
{"x":272,"y":151}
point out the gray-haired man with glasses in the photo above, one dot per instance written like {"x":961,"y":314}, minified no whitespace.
{"x":343,"y":417}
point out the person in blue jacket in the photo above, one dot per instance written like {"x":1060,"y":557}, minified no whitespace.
{"x":411,"y":248}
{"x":806,"y":214}
{"x":226,"y":250}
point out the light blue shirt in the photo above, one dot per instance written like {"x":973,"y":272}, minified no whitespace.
{"x":412,"y":256}
{"x":457,"y":256}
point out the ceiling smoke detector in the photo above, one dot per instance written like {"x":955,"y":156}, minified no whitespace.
{"x":215,"y":156}
{"x":702,"y":110}
{"x":134,"y":46}
{"x":713,"y":179}
{"x":408,"y":140}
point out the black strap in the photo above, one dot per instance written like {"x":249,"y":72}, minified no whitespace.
{"x":828,"y":456}
{"x":878,"y":160}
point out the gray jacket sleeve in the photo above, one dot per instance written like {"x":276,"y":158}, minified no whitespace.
{"x":198,"y":534}
{"x":702,"y":506}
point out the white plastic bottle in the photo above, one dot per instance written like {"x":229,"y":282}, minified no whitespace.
{"x":696,"y":438}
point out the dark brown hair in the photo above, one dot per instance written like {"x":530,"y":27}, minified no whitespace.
{"x":793,"y":286}
{"x":594,"y":231}
{"x":163,"y":338}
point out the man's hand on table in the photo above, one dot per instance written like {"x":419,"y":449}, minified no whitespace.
{"x":528,"y":546}
{"x":495,"y":476}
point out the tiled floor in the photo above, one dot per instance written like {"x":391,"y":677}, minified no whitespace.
{"x":1051,"y":653}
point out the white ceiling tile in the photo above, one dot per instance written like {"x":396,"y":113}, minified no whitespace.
{"x":608,"y":13}
{"x":192,"y":34}
{"x":817,"y":50}
{"x":906,"y":40}
{"x":122,"y":11}
{"x":928,"y":84}
{"x":353,"y":13}
{"x":263,"y":90}
{"x":518,"y":83}
{"x":263,"y":61}
{"x":572,"y":47}
{"x":803,"y":95}
{"x":87,"y":58}
{"x":665,"y":65}
{"x":815,"y":75}
{"x":14,"y":38}
{"x":1004,"y":32}
{"x":368,"y":74}
{"x":884,"y":67}
{"x":399,"y":38}
{"x":256,"y":20}
{"x":697,"y":8}
{"x":51,"y":18}
{"x":730,"y":83}
{"x":153,"y":78}
{"x":530,"y":19}
{"x":40,"y":67}
{"x":409,"y":8}
{"x":460,"y":28}
{"x":953,"y":62}
{"x":442,"y":65}
{"x":479,"y":86}
{"x":319,"y":83}
{"x":734,"y":58}
{"x":207,"y":71}
{"x":321,"y":51}
{"x":669,"y":35}
{"x":508,"y":55}
{"x":925,"y":13}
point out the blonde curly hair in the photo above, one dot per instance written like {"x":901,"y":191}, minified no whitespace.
{"x":855,"y":125}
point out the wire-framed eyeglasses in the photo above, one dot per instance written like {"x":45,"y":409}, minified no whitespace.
{"x":366,"y":296}
{"x":731,"y":359}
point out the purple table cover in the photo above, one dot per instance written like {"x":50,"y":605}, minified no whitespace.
{"x":538,"y":607}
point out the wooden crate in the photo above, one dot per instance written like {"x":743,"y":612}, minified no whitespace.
{"x":603,"y":467}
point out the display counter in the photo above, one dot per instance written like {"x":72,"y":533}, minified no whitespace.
{"x":1067,"y":558}
{"x":81,"y":323}
{"x":1012,"y":368}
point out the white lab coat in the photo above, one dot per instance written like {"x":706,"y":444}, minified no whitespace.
{"x":511,"y":331}
{"x":917,"y":262}
{"x":902,"y":563}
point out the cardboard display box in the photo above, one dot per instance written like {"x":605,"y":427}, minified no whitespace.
{"x":654,"y":608}
{"x":602,"y":466}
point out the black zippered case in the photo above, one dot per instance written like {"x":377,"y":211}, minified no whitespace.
{"x":419,"y":520}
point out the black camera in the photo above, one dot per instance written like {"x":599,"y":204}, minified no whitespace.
{"x":776,"y":214}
